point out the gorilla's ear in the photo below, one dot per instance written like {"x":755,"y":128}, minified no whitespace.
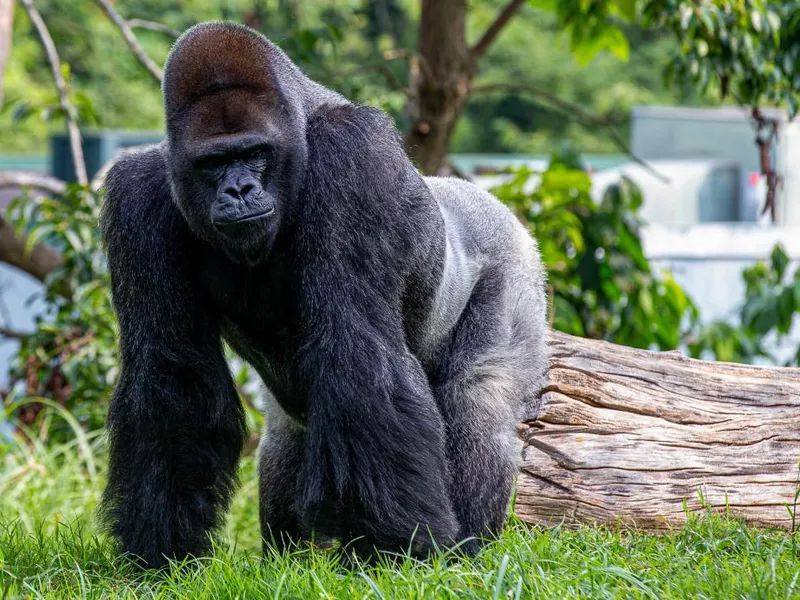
{"x":217,"y":56}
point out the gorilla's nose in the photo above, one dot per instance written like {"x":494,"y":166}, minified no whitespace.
{"x":240,"y":191}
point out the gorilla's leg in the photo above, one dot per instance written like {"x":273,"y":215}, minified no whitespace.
{"x":281,"y":456}
{"x":491,"y":369}
{"x":281,"y":459}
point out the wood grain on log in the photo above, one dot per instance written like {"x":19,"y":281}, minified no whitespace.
{"x":628,"y":436}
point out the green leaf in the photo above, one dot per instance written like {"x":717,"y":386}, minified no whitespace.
{"x":550,"y":5}
{"x":705,"y":17}
{"x":779,"y":261}
{"x":36,"y":235}
{"x":786,"y":310}
{"x":627,"y":9}
{"x":797,"y":288}
{"x":566,"y":317}
{"x":755,"y":19}
{"x":792,"y":105}
{"x":646,"y":302}
{"x":617,"y":43}
{"x":766,"y":319}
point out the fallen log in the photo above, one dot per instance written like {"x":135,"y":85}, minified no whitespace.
{"x":636,"y":438}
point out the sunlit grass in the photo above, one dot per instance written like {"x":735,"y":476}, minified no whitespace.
{"x":50,"y":548}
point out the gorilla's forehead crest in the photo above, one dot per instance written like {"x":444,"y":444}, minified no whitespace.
{"x":211,"y":57}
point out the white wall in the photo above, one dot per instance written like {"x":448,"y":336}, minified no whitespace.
{"x":708,"y":260}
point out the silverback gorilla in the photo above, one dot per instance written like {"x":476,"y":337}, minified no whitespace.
{"x":398,"y":321}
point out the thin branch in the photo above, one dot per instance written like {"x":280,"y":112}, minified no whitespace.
{"x":382,"y":68}
{"x":153,"y":26}
{"x":416,"y":60}
{"x":45,"y":183}
{"x":130,"y":38}
{"x":551,"y":98}
{"x":14,"y":334}
{"x":75,"y":141}
{"x":569,"y":107}
{"x":6,"y":28}
{"x":479,"y":49}
{"x":100,"y":177}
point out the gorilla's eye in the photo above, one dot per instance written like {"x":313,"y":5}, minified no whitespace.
{"x":258,"y":153}
{"x":212,"y":162}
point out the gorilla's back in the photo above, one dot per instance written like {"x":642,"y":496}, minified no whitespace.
{"x":483,"y":235}
{"x":480,"y":219}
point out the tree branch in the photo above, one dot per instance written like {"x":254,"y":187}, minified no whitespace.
{"x":130,"y":38}
{"x":568,"y":107}
{"x":45,"y":183}
{"x":153,"y":26}
{"x":479,"y":49}
{"x":13,"y":333}
{"x":414,"y":58}
{"x":39,"y":262}
{"x":6,"y":27}
{"x":42,"y":259}
{"x":382,"y":68}
{"x":75,"y":141}
{"x":100,"y":177}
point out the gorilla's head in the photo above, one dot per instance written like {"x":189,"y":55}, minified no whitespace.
{"x":236,"y":137}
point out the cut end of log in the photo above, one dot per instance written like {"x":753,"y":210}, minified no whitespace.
{"x":642,"y":438}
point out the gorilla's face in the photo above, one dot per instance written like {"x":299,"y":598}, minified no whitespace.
{"x":233,"y":173}
{"x":235,"y":176}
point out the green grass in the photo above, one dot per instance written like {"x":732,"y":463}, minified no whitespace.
{"x":50,"y":548}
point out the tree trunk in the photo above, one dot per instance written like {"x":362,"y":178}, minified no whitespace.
{"x":6,"y":27}
{"x":627,"y":436}
{"x":439,"y":82}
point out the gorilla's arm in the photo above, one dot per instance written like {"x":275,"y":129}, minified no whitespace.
{"x":175,"y":423}
{"x":375,"y":436}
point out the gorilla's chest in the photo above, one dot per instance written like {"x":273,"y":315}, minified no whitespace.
{"x":259,"y":316}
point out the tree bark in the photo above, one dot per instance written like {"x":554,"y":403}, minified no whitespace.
{"x":439,"y":82}
{"x":42,"y":259}
{"x":39,"y":262}
{"x":627,"y":436}
{"x":441,"y":76}
{"x":6,"y":27}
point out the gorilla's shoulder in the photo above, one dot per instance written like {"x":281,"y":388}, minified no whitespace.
{"x":137,"y":194}
{"x":349,"y":117}
{"x":137,"y":170}
{"x":345,"y":132}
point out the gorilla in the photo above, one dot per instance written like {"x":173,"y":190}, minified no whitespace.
{"x":398,"y":321}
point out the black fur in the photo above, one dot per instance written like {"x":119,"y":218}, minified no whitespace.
{"x":383,"y":421}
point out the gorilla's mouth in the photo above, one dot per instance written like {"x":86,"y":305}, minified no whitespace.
{"x":251,"y":217}
{"x":245,"y":219}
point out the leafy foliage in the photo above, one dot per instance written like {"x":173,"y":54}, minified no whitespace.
{"x":71,"y":357}
{"x":771,"y":303}
{"x":358,"y":47}
{"x":749,"y":48}
{"x":602,"y":284}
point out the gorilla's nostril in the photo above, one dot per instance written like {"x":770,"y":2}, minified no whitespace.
{"x":245,"y":190}
{"x":233,"y":192}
